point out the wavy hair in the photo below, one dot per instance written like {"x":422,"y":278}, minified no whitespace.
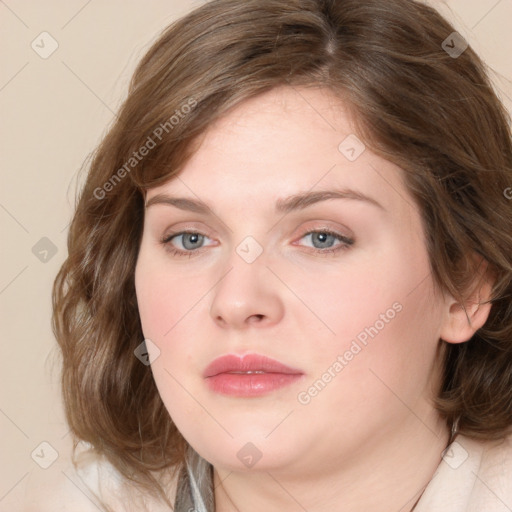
{"x":418,"y":105}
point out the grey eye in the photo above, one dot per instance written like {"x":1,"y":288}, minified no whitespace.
{"x":191,"y":241}
{"x":324,"y":240}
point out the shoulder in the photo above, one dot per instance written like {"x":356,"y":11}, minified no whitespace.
{"x":473,"y":476}
{"x":493,"y":483}
{"x":57,"y":488}
{"x":122,"y":495}
{"x":88,"y":487}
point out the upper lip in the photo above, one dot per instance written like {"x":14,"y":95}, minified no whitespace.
{"x":232,"y":363}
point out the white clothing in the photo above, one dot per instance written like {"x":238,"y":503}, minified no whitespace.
{"x":474,"y":476}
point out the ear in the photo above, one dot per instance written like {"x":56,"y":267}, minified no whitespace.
{"x":462,"y":320}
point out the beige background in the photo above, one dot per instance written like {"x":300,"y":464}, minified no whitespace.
{"x":53,"y":112}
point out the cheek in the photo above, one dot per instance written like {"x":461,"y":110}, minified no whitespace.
{"x":163,"y":297}
{"x":382,"y":358}
{"x":163,"y":304}
{"x":351,"y":298}
{"x":172,"y":311}
{"x":382,"y":312}
{"x":391,"y":353}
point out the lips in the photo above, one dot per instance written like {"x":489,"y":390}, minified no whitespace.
{"x":248,"y":364}
{"x":249,"y":375}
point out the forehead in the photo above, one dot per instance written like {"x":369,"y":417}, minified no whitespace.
{"x":283,"y":142}
{"x":285,"y":122}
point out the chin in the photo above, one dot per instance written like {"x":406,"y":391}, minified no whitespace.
{"x":250,"y":451}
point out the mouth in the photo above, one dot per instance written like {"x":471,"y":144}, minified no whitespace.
{"x":248,"y":375}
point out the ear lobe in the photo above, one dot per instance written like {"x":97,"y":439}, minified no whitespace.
{"x":463,"y":320}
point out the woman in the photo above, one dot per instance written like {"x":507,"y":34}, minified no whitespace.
{"x":289,"y":273}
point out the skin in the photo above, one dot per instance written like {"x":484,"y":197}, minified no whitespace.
{"x":373,"y":425}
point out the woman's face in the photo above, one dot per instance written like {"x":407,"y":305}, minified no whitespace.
{"x":309,"y":251}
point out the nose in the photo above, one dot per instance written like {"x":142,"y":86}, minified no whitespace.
{"x":249,"y":295}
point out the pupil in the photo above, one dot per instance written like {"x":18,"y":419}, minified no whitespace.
{"x":190,"y":239}
{"x":322,"y":239}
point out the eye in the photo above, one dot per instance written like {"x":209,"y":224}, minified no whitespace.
{"x":189,"y":243}
{"x":324,"y":241}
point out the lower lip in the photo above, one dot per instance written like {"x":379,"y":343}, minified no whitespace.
{"x":246,"y":385}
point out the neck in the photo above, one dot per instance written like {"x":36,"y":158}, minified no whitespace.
{"x":387,"y":476}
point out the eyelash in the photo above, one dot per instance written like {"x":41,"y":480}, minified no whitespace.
{"x":346,"y":243}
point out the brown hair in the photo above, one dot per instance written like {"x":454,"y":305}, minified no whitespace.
{"x":433,"y":114}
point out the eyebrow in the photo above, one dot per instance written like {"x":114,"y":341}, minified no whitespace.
{"x":285,"y":205}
